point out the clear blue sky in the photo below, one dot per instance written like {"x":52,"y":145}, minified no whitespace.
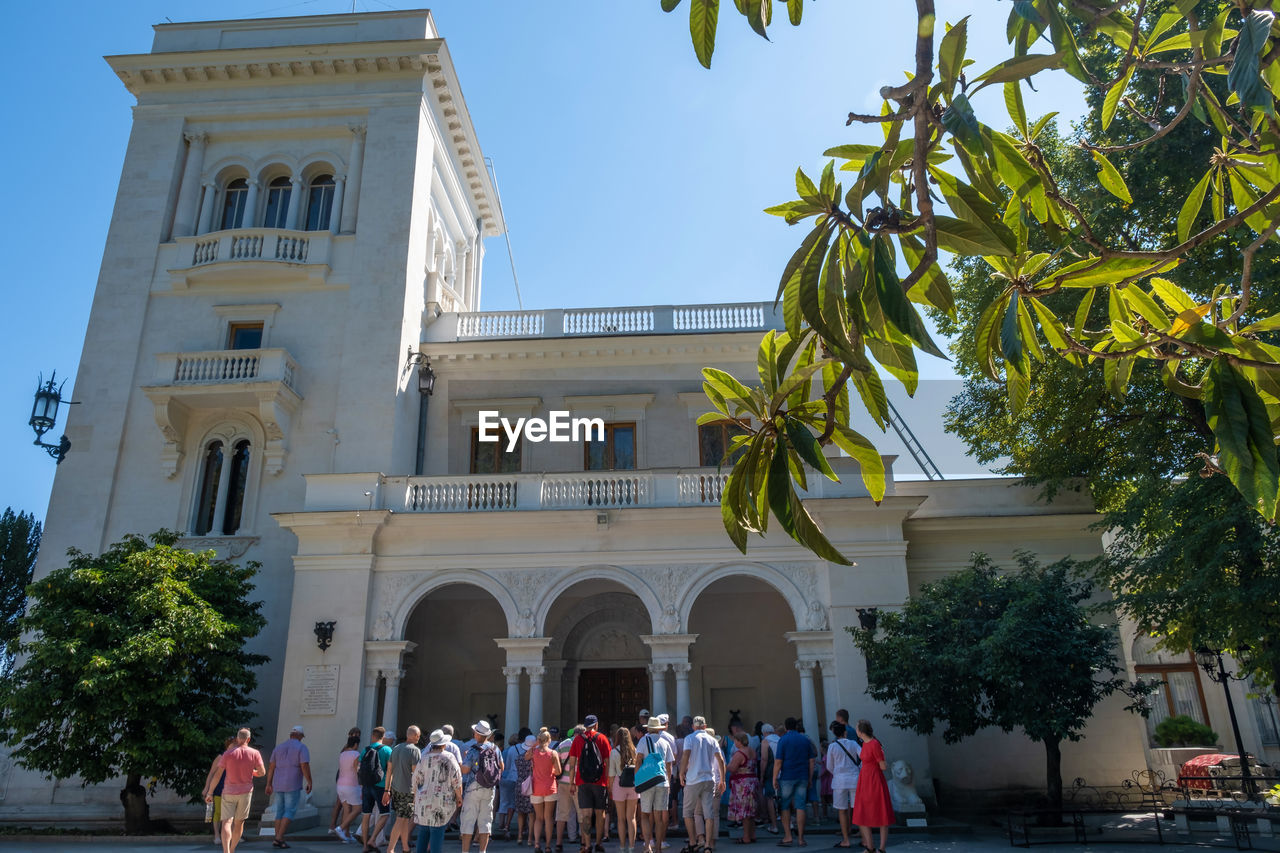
{"x":629,"y":174}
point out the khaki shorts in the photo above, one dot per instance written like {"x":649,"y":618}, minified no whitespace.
{"x":477,"y":811}
{"x":704,"y":794}
{"x":236,"y":806}
{"x":566,"y":803}
{"x":655,"y":799}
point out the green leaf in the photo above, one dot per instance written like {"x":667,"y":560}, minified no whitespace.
{"x":670,"y":5}
{"x":1010,"y":340}
{"x":1141,"y":302}
{"x":987,"y":336}
{"x":868,"y":458}
{"x":1116,"y":373}
{"x":1172,"y":295}
{"x":798,"y":378}
{"x":894,"y":302}
{"x":1245,"y":77}
{"x":731,"y":389}
{"x":897,"y":356}
{"x":874,"y":399}
{"x":730,"y":502}
{"x":810,"y":451}
{"x":968,"y":238}
{"x":1020,"y":68}
{"x":767,"y":361}
{"x":960,"y":121}
{"x":1163,"y":24}
{"x":1082,"y":311}
{"x":1213,"y":33}
{"x":804,"y":284}
{"x":1054,"y":331}
{"x":1018,"y":388}
{"x":1246,"y":446}
{"x":1110,"y":178}
{"x":1112,"y":101}
{"x":806,"y":189}
{"x":1091,"y":272}
{"x":1017,"y":110}
{"x":1191,"y":207}
{"x":756,"y":10}
{"x":779,"y":489}
{"x":795,"y":9}
{"x":951,"y":53}
{"x":972,"y":207}
{"x":702,"y":27}
{"x":1065,"y":42}
{"x":799,"y":257}
{"x":1266,"y":324}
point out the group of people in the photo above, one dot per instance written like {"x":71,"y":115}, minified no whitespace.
{"x":647,"y":776}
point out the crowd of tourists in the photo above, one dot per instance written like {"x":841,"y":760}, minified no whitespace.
{"x":576,"y":787}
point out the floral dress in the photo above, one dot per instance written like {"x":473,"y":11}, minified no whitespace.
{"x":524,"y":767}
{"x":435,"y":780}
{"x":743,"y":786}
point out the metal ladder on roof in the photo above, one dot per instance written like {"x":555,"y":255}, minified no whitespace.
{"x":914,"y":447}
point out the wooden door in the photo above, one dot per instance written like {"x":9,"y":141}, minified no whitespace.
{"x":613,"y":695}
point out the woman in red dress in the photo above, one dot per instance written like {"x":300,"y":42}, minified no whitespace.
{"x":871,"y":804}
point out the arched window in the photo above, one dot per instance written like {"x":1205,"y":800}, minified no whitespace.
{"x":209,"y":477}
{"x":278,"y":193}
{"x":239,"y":476}
{"x":220,"y":502}
{"x":320,"y":203}
{"x":233,"y":199}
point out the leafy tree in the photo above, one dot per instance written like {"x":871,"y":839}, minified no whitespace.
{"x":135,"y":666}
{"x":19,"y":544}
{"x":1191,"y":561}
{"x":944,"y":181}
{"x":969,"y":653}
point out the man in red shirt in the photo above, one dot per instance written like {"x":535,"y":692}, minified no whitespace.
{"x":588,"y":763}
{"x":240,"y":764}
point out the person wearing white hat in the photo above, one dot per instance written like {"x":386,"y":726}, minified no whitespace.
{"x":437,"y":784}
{"x":481,"y":771}
{"x":655,"y":801}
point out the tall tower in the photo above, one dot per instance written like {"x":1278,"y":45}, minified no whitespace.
{"x":299,"y":197}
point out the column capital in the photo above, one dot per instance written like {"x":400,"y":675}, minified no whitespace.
{"x":805,"y":667}
{"x":826,"y":661}
{"x":681,"y":669}
{"x":393,"y":676}
{"x":358,"y":130}
{"x":195,"y":137}
{"x":658,"y":668}
{"x":512,"y":672}
{"x":536,"y":672}
{"x":371,"y":674}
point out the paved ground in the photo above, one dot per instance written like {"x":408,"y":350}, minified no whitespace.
{"x":977,"y":841}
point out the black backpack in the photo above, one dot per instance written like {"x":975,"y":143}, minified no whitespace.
{"x":590,"y":762}
{"x":486,"y":769}
{"x":370,"y":771}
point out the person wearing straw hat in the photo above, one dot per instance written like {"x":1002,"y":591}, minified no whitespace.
{"x":481,"y":771}
{"x":655,"y":801}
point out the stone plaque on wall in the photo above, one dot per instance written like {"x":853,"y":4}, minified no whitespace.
{"x":320,"y":690}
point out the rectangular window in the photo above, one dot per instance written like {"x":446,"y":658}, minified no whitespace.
{"x":713,"y":443}
{"x":616,"y":453}
{"x":491,"y":457}
{"x":244,"y":336}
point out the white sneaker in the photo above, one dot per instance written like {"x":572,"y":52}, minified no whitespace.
{"x":342,"y":834}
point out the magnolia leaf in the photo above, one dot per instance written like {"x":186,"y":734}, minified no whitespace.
{"x":1246,"y":446}
{"x":1110,"y":178}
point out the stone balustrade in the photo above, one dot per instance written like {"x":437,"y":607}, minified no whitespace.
{"x":585,"y":322}
{"x":226,"y":366}
{"x":654,"y":487}
{"x":253,"y":244}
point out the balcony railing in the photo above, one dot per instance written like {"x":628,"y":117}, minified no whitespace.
{"x":584,"y":322}
{"x":663,"y":487}
{"x":226,"y":366}
{"x":275,"y":253}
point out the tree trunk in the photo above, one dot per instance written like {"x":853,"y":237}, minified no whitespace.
{"x":1053,"y":780}
{"x":137,"y":814}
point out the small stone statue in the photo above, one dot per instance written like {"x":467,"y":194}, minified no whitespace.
{"x":902,"y":789}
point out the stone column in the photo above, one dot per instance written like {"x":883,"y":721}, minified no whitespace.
{"x":295,"y":201}
{"x":830,"y":693}
{"x":391,"y":699}
{"x":206,"y":208}
{"x":184,"y":216}
{"x":335,"y":212}
{"x":808,"y":703}
{"x":658,"y":699}
{"x":355,"y":165}
{"x":511,"y":713}
{"x":251,"y":206}
{"x":682,"y":689}
{"x":535,"y":695}
{"x":369,"y":700}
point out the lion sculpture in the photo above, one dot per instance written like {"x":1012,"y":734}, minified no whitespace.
{"x":902,"y":788}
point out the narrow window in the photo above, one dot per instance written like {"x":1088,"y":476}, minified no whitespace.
{"x":713,"y":443}
{"x":278,"y":192}
{"x":319,"y":203}
{"x":616,"y":453}
{"x":233,"y":203}
{"x":239,"y":474}
{"x":491,"y":457}
{"x":244,"y":336}
{"x":209,"y":478}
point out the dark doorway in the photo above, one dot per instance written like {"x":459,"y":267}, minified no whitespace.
{"x":613,"y":695}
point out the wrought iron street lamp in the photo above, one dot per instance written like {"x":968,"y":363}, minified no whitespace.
{"x":44,"y":414}
{"x":324,"y":635}
{"x":1210,"y":661}
{"x":426,"y":386}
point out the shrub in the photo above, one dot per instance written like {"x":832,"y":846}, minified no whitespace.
{"x":1181,"y":730}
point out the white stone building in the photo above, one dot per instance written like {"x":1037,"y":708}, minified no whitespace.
{"x":300,"y":223}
